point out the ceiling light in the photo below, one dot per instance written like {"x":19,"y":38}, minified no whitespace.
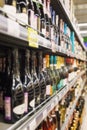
{"x":82,"y":24}
{"x":83,"y":32}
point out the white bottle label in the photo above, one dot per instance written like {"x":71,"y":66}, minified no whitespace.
{"x":19,"y":110}
{"x":32,"y":103}
{"x":26,"y":101}
{"x":11,"y":11}
{"x":7,"y":108}
{"x":47,"y":89}
{"x":22,"y":18}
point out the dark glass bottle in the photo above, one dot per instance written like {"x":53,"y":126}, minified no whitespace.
{"x":41,"y":77}
{"x":46,"y":19}
{"x":42,"y":21}
{"x":2,"y":83}
{"x":30,"y":13}
{"x":22,"y":16}
{"x":28,"y":84}
{"x":35,"y":79}
{"x":36,"y":15}
{"x":14,"y":94}
{"x":46,"y":76}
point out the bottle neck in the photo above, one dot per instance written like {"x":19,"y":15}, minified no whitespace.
{"x":27,"y":66}
{"x":33,"y":62}
{"x":15,"y":63}
{"x":9,"y":63}
{"x":40,"y":60}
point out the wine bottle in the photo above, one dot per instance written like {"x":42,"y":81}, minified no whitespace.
{"x":36,"y":15}
{"x":14,"y":98}
{"x":22,"y":13}
{"x":30,"y":13}
{"x":10,"y":8}
{"x":46,"y":76}
{"x":28,"y":84}
{"x":46,"y":19}
{"x":35,"y":79}
{"x":42,"y":20}
{"x":57,"y":76}
{"x":41,"y":77}
{"x":2,"y":83}
{"x":49,"y":88}
{"x":53,"y":77}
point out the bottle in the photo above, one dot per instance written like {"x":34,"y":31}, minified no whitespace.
{"x":46,"y":76}
{"x":28,"y":84}
{"x":46,"y":19}
{"x":44,"y":125}
{"x":2,"y":3}
{"x":14,"y":98}
{"x":54,"y":82}
{"x":35,"y":79}
{"x":55,"y":68}
{"x":22,"y":13}
{"x":41,"y":77}
{"x":42,"y":20}
{"x":30,"y":13}
{"x":50,"y":88}
{"x":2,"y":83}
{"x":36,"y":15}
{"x":58,"y":117}
{"x":10,"y":8}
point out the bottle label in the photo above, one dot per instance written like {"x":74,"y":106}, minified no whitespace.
{"x":31,"y":18}
{"x":26,"y":101}
{"x":32,"y":103}
{"x":44,"y":31}
{"x":35,"y":22}
{"x":19,"y":110}
{"x":48,"y":89}
{"x":7,"y":108}
{"x":11,"y":11}
{"x":22,"y":18}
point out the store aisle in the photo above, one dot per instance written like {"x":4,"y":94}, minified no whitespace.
{"x":84,"y":120}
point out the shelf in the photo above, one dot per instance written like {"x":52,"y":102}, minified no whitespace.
{"x":14,"y":34}
{"x":60,"y":9}
{"x":31,"y":122}
{"x":72,"y":109}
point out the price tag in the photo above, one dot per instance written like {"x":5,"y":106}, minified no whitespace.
{"x":25,"y":129}
{"x":32,"y":124}
{"x":32,"y":37}
{"x":45,"y":114}
{"x":52,"y":105}
{"x":53,"y":46}
{"x":13,"y":28}
{"x":40,"y":41}
{"x":56,"y":100}
{"x":39,"y":118}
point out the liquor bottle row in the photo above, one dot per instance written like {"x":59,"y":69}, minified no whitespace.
{"x":27,"y":78}
{"x":58,"y":115}
{"x":77,"y":115}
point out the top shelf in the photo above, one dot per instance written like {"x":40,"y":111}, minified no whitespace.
{"x":60,"y":9}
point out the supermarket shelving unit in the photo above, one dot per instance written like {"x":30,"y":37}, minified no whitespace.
{"x":9,"y":38}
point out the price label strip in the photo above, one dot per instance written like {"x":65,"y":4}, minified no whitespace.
{"x":32,"y":37}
